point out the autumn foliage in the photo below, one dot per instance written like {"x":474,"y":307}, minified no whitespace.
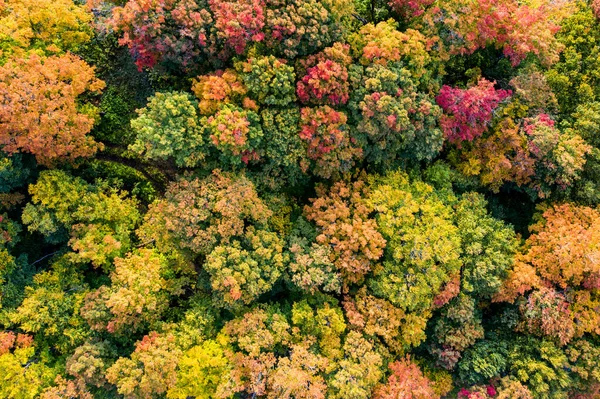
{"x":39,"y":100}
{"x":299,"y":199}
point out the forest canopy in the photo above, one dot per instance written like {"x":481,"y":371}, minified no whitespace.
{"x":300,"y":199}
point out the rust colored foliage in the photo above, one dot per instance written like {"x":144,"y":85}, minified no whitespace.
{"x":566,"y":265}
{"x":150,"y":370}
{"x":199,"y":214}
{"x":216,"y":89}
{"x":468,"y":112}
{"x":64,"y":389}
{"x":596,"y":8}
{"x":39,"y":112}
{"x":406,"y":382}
{"x":342,"y":217}
{"x":328,"y":142}
{"x":375,"y":316}
{"x":559,"y":264}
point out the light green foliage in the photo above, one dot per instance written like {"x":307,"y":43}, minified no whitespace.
{"x":55,"y":199}
{"x":99,"y":219}
{"x":423,"y":245}
{"x":200,"y":372}
{"x":23,"y":377}
{"x":51,"y":306}
{"x":245,"y":269}
{"x":169,"y":127}
{"x":324,"y":321}
{"x":574,"y":79}
{"x":541,"y":366}
{"x":584,"y":357}
{"x":359,"y":370}
{"x":270,"y":81}
{"x":488,"y":246}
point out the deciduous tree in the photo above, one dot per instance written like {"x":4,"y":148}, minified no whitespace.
{"x":40,"y":113}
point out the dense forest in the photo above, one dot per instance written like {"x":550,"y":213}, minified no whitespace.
{"x":300,"y":199}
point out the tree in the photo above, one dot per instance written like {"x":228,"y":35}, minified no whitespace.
{"x":202,"y":372}
{"x":235,"y":133}
{"x":572,"y":78}
{"x":214,"y":90}
{"x":169,"y":127}
{"x":200,"y":214}
{"x":244,"y":269}
{"x":297,"y":28}
{"x":320,"y":321}
{"x":409,"y":8}
{"x":311,"y":268}
{"x":327,"y":141}
{"x":378,"y":317}
{"x":342,"y":218}
{"x":359,"y":371}
{"x":406,"y":382}
{"x":138,"y":296}
{"x":238,"y":23}
{"x":384,"y":44}
{"x":396,"y":122}
{"x":270,"y":81}
{"x":458,"y":327}
{"x":325,"y":80}
{"x":558,"y":284}
{"x":98,"y":219}
{"x":488,"y":247}
{"x":89,"y":362}
{"x":23,"y":378}
{"x":46,"y":26}
{"x":50,"y":311}
{"x":38,"y":98}
{"x":559,"y":157}
{"x":298,"y":376}
{"x":515,"y":28}
{"x":468,"y":112}
{"x":66,"y":389}
{"x":423,"y":245}
{"x":150,"y":371}
{"x":150,"y":29}
{"x":530,"y":152}
{"x":285,"y":156}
